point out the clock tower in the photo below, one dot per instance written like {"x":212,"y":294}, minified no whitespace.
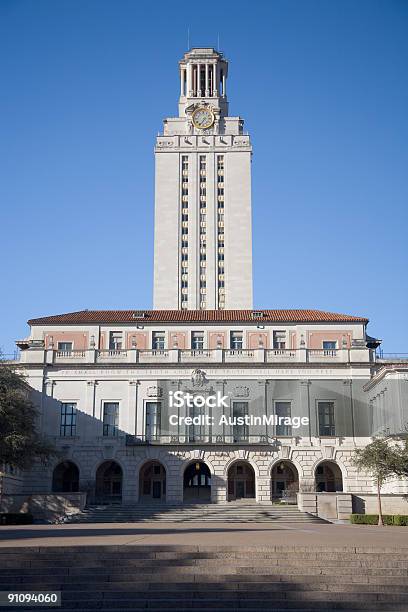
{"x":203,"y":237}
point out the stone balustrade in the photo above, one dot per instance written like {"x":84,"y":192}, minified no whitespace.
{"x":190,"y":356}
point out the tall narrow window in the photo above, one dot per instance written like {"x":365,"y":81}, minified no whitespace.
{"x":68,"y":419}
{"x":158,"y":341}
{"x":197,"y":340}
{"x":240,"y":431}
{"x":236,"y":340}
{"x":283,"y":412}
{"x":184,"y":229}
{"x":115,"y":341}
{"x":326,"y":419}
{"x":220,"y":203}
{"x":110,"y":418}
{"x":153,"y":418}
{"x":279,"y":339}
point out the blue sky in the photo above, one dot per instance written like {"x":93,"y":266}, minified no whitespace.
{"x":323,"y":88}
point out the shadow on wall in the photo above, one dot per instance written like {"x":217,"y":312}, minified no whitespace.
{"x":102,"y":470}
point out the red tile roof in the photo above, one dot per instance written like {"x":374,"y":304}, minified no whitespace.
{"x":187,"y":316}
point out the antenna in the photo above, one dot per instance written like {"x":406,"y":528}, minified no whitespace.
{"x":218,"y":41}
{"x":188,"y":39}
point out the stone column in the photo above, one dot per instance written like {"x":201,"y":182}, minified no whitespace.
{"x":207,"y":93}
{"x":90,"y":424}
{"x":181,"y":81}
{"x":214,"y":83}
{"x":199,"y":80}
{"x":189,"y":81}
{"x":132,"y":407}
{"x":224,"y":85}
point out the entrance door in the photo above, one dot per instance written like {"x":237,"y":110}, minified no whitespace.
{"x":197,"y":483}
{"x":241,"y":481}
{"x":156,"y":489}
{"x":240,"y":489}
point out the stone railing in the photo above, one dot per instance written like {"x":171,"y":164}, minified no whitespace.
{"x":199,"y":356}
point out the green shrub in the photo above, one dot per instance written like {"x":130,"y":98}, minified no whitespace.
{"x":401,"y":520}
{"x":16,"y":518}
{"x":364,"y":519}
{"x":372,"y":519}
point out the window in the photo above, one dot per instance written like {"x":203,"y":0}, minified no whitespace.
{"x":158,"y":341}
{"x":283,"y":409}
{"x":279,"y":339}
{"x":115,"y":341}
{"x":153,"y":414}
{"x":68,"y":419}
{"x":110,"y":418}
{"x":65,"y":347}
{"x":236,"y":340}
{"x":329,"y":346}
{"x":326,"y":418}
{"x":239,"y":410}
{"x":197,"y":340}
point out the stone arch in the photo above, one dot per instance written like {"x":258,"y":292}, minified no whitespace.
{"x":328,"y":476}
{"x":284,"y":480}
{"x":241,"y":480}
{"x":201,"y":457}
{"x":152,"y":480}
{"x":236,"y":458}
{"x":65,"y":477}
{"x":197,"y":478}
{"x":109,"y":482}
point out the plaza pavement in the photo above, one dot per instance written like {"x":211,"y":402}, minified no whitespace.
{"x":204,"y":535}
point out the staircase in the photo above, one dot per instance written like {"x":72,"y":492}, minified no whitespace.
{"x":232,"y":512}
{"x":204,"y":578}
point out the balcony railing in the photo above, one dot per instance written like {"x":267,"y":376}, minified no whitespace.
{"x":199,"y":355}
{"x":281,"y":355}
{"x":324,"y":355}
{"x":261,"y":439}
{"x":205,"y":356}
{"x":69,"y":355}
{"x":387,"y":357}
{"x":112,"y":354}
{"x":155,"y":356}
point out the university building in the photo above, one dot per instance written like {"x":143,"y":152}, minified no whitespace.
{"x":205,"y":398}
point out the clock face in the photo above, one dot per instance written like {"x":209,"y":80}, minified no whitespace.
{"x":203,"y":118}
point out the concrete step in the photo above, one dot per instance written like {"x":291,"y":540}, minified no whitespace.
{"x":225,"y":513}
{"x":122,"y":565}
{"x":233,"y":604}
{"x":212,"y":578}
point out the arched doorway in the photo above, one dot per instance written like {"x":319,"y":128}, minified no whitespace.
{"x":328,"y":477}
{"x":197,"y":482}
{"x":65,"y":478}
{"x":285,"y":481}
{"x":152,"y":481}
{"x":109,"y":483}
{"x":241,"y":481}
